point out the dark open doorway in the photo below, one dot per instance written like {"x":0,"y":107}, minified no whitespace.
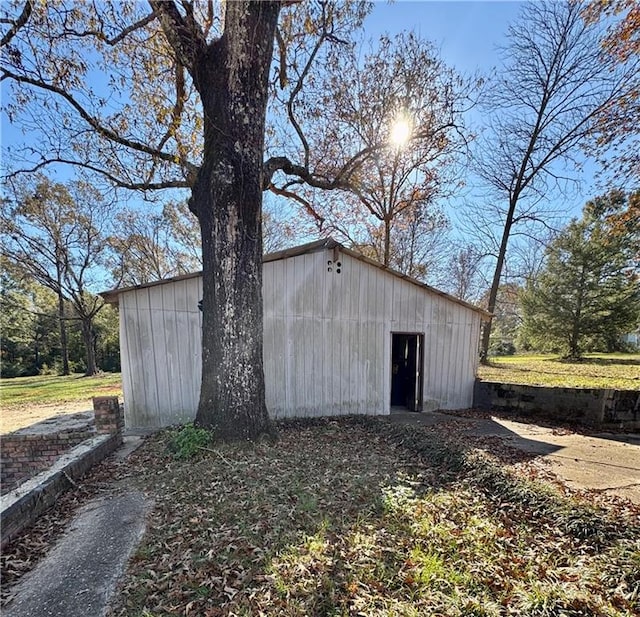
{"x":406,"y":370}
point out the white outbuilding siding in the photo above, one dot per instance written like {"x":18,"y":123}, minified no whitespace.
{"x":329,"y":319}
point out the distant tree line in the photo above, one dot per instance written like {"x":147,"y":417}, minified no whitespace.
{"x":63,"y":243}
{"x":30,"y":334}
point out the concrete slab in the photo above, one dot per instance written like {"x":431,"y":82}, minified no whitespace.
{"x":130,"y":443}
{"x":79,"y":574}
{"x":58,"y":424}
{"x":606,"y":462}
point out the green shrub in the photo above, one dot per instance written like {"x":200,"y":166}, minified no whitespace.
{"x":503,"y":348}
{"x":186,"y":441}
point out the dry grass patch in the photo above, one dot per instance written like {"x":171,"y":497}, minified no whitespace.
{"x":27,"y":400}
{"x":359,"y":517}
{"x":618,"y":371}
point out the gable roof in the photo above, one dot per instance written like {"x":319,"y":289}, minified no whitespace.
{"x":111,"y":296}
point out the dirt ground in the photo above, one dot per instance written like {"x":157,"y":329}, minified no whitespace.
{"x":17,"y":417}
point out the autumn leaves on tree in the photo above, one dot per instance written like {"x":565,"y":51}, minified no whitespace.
{"x":227,"y":100}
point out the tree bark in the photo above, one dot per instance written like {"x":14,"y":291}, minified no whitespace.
{"x":387,"y":242}
{"x":576,"y":327}
{"x":87,"y":338}
{"x":495,"y":283}
{"x":64,"y":346}
{"x":232,"y":80}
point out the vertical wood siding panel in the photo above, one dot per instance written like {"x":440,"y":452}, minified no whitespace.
{"x":450,"y":365}
{"x":129,"y":357}
{"x":465,"y":375}
{"x":454,"y":366}
{"x":412,"y":308}
{"x":306,"y":327}
{"x":267,"y":333}
{"x":439,"y":351}
{"x":346,"y":352}
{"x":194,"y":336}
{"x":451,"y":350}
{"x":182,"y":372}
{"x":458,"y":330}
{"x":172,"y":344}
{"x":281,"y":303}
{"x":289,"y":312}
{"x":131,"y":317}
{"x":161,"y":354}
{"x":468,"y":361}
{"x":318,"y":341}
{"x":145,"y":324}
{"x":428,"y":332}
{"x":276,"y":359}
{"x":447,"y":352}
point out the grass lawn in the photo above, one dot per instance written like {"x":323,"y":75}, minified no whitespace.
{"x":619,"y":371}
{"x":51,"y":389}
{"x":360,"y":517}
{"x":28,"y":400}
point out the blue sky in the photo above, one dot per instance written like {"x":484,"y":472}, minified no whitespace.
{"x":466,"y":33}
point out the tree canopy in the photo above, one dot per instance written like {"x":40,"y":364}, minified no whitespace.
{"x":56,"y":236}
{"x":588,"y":293}
{"x":549,"y":100}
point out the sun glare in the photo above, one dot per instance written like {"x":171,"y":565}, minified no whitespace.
{"x":400,"y":132}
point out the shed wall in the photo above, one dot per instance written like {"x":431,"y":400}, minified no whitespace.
{"x":327,"y":342}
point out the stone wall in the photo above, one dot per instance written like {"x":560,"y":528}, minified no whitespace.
{"x":592,"y":407}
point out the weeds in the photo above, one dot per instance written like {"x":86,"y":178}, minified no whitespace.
{"x":187,"y":441}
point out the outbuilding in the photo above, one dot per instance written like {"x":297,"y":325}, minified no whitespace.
{"x":342,"y":335}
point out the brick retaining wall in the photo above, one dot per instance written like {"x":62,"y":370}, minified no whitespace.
{"x":593,"y":407}
{"x":67,"y":454}
{"x":25,"y":504}
{"x":25,"y":455}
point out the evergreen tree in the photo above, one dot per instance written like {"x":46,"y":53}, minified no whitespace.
{"x":588,"y":293}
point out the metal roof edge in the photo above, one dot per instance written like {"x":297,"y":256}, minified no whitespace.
{"x":372,"y":262}
{"x":111,"y":296}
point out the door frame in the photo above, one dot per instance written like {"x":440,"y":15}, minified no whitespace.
{"x":419,"y":385}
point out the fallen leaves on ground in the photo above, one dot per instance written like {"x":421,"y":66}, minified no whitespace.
{"x":360,"y":517}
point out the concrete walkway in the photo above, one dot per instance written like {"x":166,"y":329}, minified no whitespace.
{"x":79,"y":574}
{"x":606,"y":462}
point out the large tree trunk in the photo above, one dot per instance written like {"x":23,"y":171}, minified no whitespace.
{"x":495,"y":284}
{"x":87,"y":338}
{"x":227,"y":199}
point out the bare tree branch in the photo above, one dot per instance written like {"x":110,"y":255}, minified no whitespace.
{"x":114,"y":40}
{"x":17,"y":24}
{"x":119,"y":182}
{"x":93,"y":122}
